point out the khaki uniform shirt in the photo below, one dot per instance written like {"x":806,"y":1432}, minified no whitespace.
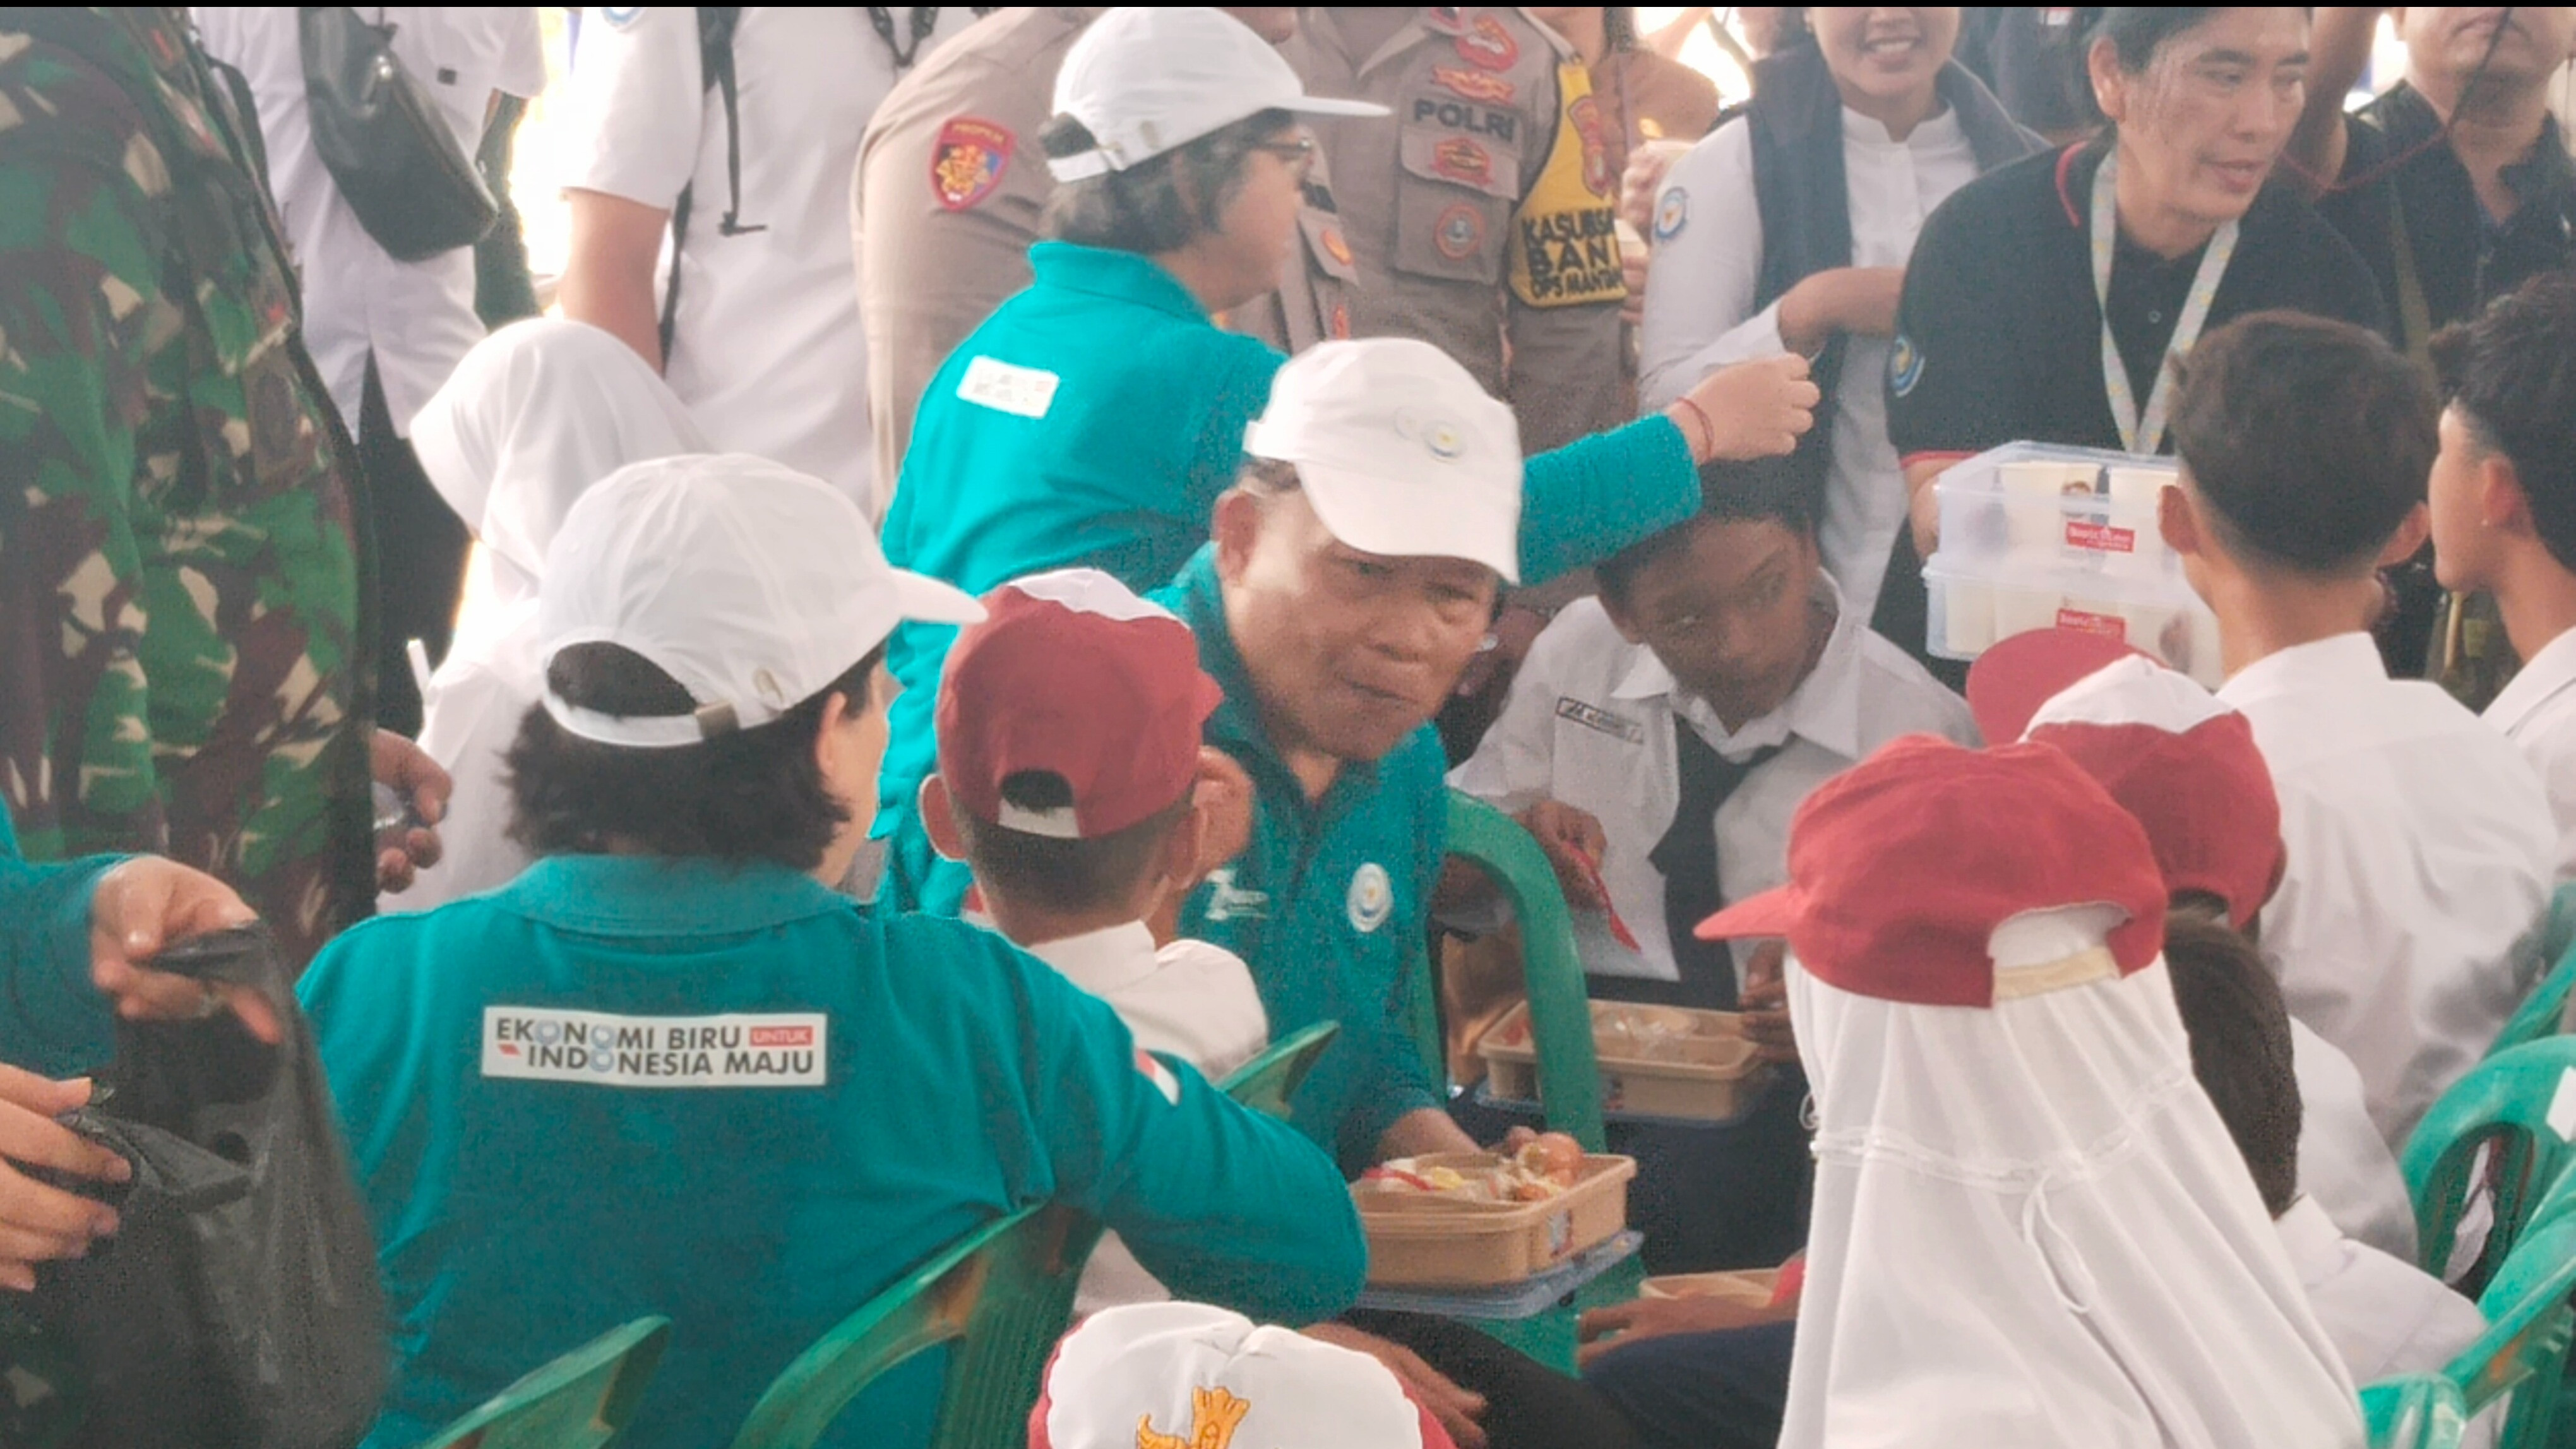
{"x":1480,"y":216}
{"x":950,"y":186}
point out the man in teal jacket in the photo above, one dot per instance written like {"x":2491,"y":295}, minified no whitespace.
{"x":668,"y":1070}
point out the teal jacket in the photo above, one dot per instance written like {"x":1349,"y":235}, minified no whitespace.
{"x":1329,"y":903}
{"x":1091,"y":422}
{"x":621,"y":1086}
{"x":52,"y":1020}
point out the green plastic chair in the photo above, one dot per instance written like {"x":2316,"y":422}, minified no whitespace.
{"x":1266,"y":1082}
{"x":2421,"y":1411}
{"x":579,"y":1401}
{"x":1003,"y":1294}
{"x":2530,"y":1320}
{"x":1560,"y":1010}
{"x":2544,"y":1012}
{"x":2507,"y":1099}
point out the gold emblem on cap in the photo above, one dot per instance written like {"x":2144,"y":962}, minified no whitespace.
{"x":1445,"y":441}
{"x":1214,"y":1416}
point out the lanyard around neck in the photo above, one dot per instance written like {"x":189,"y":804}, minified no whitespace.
{"x":2147,"y":434}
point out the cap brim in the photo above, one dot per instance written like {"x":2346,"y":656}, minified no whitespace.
{"x":1404,"y":532}
{"x":1330,"y":106}
{"x":925,"y":600}
{"x":1770,"y":913}
{"x":2009,"y":682}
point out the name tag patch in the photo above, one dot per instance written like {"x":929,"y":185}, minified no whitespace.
{"x":1593,"y":717}
{"x":530,"y":1043}
{"x":1025,"y":392}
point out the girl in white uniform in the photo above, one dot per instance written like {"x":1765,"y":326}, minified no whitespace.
{"x":533,"y":416}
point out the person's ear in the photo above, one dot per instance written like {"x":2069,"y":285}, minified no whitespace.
{"x":2178,"y":519}
{"x":2409,"y":538}
{"x":2110,"y":83}
{"x":1237,"y":532}
{"x":937,"y":821}
{"x":2501,"y":501}
{"x":1177,"y":868}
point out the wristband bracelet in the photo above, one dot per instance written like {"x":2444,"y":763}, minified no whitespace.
{"x":1708,"y":430}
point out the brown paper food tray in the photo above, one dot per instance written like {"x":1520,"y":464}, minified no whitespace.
{"x":1709,"y":1073}
{"x":1420,"y":1241}
{"x":1753,"y":1287}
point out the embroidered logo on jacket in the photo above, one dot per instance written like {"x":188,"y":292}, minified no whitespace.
{"x":1372,"y":897}
{"x":968,"y":160}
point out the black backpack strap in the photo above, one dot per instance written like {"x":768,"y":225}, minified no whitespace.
{"x":716,"y":24}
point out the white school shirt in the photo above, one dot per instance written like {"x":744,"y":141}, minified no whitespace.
{"x":2419,"y":851}
{"x":767,"y":350}
{"x":2345,"y":1167}
{"x":1190,"y":999}
{"x":1590,"y":723}
{"x":2385,"y":1315}
{"x":2537,"y":711}
{"x":1699,"y":308}
{"x":416,"y":318}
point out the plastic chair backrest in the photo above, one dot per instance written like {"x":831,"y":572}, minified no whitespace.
{"x":1569,"y":1076}
{"x":2420,"y":1411}
{"x":2530,"y":1319}
{"x":1266,"y":1082}
{"x":2514,"y":1098}
{"x":2544,"y":1012}
{"x":1003,"y":1294}
{"x":581,"y":1400}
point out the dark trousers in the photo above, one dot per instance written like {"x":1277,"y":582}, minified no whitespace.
{"x":1724,"y":1390}
{"x":420,"y":560}
{"x":1527,"y":1404}
{"x":1708,"y":1198}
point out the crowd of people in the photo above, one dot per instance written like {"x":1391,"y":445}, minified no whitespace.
{"x":963,"y":622}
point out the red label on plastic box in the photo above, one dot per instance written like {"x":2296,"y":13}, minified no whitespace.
{"x":2100,"y":537}
{"x":2085,"y":622}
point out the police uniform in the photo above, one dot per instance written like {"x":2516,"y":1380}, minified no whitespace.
{"x":1092,"y":422}
{"x":946,"y":202}
{"x":767,"y":347}
{"x":1482,"y":221}
{"x":725,"y":1094}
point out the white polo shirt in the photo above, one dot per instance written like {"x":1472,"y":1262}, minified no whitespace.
{"x":2419,"y":849}
{"x":2386,"y":1316}
{"x":767,"y":350}
{"x":416,"y":318}
{"x":1590,"y":723}
{"x":1190,"y":999}
{"x":2537,"y":711}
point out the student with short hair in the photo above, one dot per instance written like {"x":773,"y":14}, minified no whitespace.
{"x":1069,"y":774}
{"x":1656,"y":742}
{"x":669,"y":1070}
{"x":2418,"y":840}
{"x":2503,"y":496}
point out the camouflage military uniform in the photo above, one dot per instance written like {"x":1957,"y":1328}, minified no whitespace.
{"x":183,"y":665}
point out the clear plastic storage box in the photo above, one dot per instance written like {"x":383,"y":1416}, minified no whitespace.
{"x":2036,"y":536}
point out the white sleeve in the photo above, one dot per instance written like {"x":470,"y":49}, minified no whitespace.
{"x":1707,"y":261}
{"x":637,"y":102}
{"x":519,"y":59}
{"x":1514,"y":767}
{"x":219,"y":32}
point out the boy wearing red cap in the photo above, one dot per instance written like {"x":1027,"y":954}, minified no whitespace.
{"x":1069,"y":776}
{"x":2419,"y":842}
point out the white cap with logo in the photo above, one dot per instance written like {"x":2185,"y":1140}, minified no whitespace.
{"x":752,"y":585}
{"x":1399,"y":451}
{"x":1145,"y":79}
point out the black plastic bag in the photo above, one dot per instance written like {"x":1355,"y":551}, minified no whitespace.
{"x":385,"y":141}
{"x":238,"y":1305}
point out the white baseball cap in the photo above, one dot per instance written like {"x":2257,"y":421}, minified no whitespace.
{"x":1144,"y":79}
{"x":1399,"y":451}
{"x":750,"y":584}
{"x":1189,"y":1374}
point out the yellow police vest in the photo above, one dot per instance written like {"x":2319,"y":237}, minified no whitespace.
{"x":1565,"y":241}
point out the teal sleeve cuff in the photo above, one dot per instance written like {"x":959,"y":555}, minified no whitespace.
{"x":1593,"y":497}
{"x":53,"y":1021}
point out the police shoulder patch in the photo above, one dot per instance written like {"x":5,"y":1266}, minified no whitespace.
{"x":968,"y":161}
{"x":1904,"y":365}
